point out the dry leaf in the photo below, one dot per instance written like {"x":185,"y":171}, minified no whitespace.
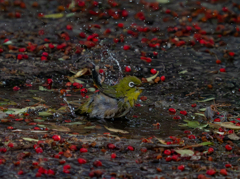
{"x":116,"y":130}
{"x":150,"y":79}
{"x":233,"y":136}
{"x":229,"y":125}
{"x":81,"y":72}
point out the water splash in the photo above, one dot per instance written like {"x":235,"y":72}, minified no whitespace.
{"x":70,"y":107}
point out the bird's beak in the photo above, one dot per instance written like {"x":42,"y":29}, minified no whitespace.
{"x":139,"y":87}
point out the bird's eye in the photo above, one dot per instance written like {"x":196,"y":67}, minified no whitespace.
{"x":131,"y":84}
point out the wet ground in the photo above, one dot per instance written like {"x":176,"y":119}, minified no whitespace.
{"x":194,"y":45}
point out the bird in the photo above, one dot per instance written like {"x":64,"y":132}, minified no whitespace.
{"x":111,"y":101}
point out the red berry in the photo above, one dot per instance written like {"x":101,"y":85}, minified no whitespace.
{"x":210,"y":150}
{"x":51,"y":46}
{"x":45,"y":54}
{"x":1,"y":50}
{"x":144,"y":150}
{"x":81,"y":3}
{"x":153,"y":71}
{"x":168,"y":159}
{"x":168,"y":11}
{"x":111,"y":146}
{"x":183,"y":113}
{"x":192,"y":136}
{"x":167,"y":152}
{"x":172,"y":110}
{"x":66,"y":171}
{"x":22,"y":49}
{"x":162,"y":78}
{"x":155,"y":53}
{"x":69,"y":27}
{"x":17,"y":15}
{"x":116,"y":40}
{"x":43,"y":58}
{"x":50,"y":172}
{"x":228,"y":147}
{"x":194,"y":105}
{"x":231,"y":54}
{"x":218,"y":61}
{"x":113,"y":155}
{"x":228,"y":165}
{"x":66,"y":167}
{"x":217,"y":120}
{"x":82,"y":161}
{"x":127,"y":69}
{"x":211,"y":172}
{"x":222,"y":70}
{"x":40,"y":14}
{"x":56,"y":137}
{"x":19,"y":56}
{"x":49,"y":81}
{"x":5,"y":40}
{"x":73,"y":147}
{"x":38,"y":174}
{"x":20,"y":172}
{"x":124,"y":13}
{"x":175,"y":158}
{"x":95,"y":3}
{"x":177,"y":117}
{"x":83,"y":150}
{"x":225,"y":9}
{"x":39,"y":150}
{"x":97,"y":163}
{"x":130,"y":148}
{"x":16,"y":88}
{"x":223,"y":172}
{"x":10,"y":145}
{"x":25,"y":56}
{"x":181,"y":167}
{"x":120,"y":25}
{"x":126,"y":47}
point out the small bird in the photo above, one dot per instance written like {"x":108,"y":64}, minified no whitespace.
{"x":112,"y":101}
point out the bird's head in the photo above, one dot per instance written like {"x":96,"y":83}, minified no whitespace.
{"x":130,"y":87}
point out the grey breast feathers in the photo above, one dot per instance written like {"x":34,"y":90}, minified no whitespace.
{"x":107,"y":107}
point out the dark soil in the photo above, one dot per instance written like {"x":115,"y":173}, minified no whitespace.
{"x":188,"y":37}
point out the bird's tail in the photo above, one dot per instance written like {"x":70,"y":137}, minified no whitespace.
{"x":95,"y":75}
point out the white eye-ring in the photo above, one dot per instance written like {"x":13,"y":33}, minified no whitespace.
{"x":131,"y":84}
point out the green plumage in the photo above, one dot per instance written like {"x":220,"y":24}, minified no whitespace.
{"x":112,"y":101}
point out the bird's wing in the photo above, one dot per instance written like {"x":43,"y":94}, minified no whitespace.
{"x":110,"y":91}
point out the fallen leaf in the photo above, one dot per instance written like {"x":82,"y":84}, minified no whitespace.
{"x":182,"y":72}
{"x":54,"y":16}
{"x":23,"y":110}
{"x":161,"y":141}
{"x":200,"y":114}
{"x":74,"y":123}
{"x":55,"y":127}
{"x":81,"y":72}
{"x":205,"y":100}
{"x":30,"y":139}
{"x":116,"y":130}
{"x":38,"y":99}
{"x":150,"y":79}
{"x":45,"y":114}
{"x":185,"y":153}
{"x":229,"y":125}
{"x":193,"y":124}
{"x":206,"y":143}
{"x":233,"y":136}
{"x":163,"y":1}
{"x":41,"y":88}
